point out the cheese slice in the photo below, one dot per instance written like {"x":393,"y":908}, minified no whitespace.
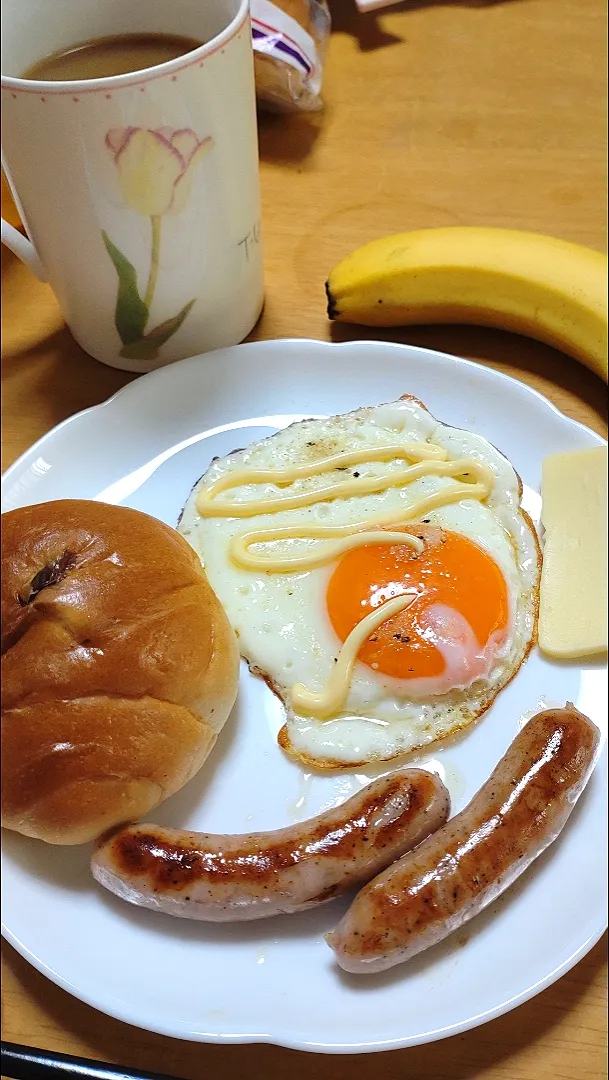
{"x":573,"y":593}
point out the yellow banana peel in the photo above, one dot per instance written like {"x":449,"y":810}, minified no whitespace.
{"x":535,"y":285}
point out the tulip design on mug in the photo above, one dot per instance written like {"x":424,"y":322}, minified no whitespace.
{"x":155,"y":172}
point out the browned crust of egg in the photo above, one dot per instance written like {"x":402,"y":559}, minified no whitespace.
{"x":283,"y":737}
{"x":327,"y":764}
{"x":410,"y":397}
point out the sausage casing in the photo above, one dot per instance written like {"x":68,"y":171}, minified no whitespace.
{"x":223,"y":878}
{"x":466,"y":864}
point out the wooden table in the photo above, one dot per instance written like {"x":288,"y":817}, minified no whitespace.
{"x":468,"y":112}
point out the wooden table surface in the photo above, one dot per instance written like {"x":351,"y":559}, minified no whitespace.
{"x":470,"y":112}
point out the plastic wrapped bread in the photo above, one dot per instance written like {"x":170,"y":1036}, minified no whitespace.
{"x":289,"y":40}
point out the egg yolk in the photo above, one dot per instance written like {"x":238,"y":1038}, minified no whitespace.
{"x":451,"y":570}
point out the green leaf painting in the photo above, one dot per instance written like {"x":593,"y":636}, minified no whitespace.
{"x":131,"y":313}
{"x":147,"y":347}
{"x":164,"y":330}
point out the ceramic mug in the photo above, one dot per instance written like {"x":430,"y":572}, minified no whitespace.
{"x":139,"y":193}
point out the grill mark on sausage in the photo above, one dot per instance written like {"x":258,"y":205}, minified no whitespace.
{"x":171,"y":866}
{"x":458,"y":870}
{"x":513,"y":824}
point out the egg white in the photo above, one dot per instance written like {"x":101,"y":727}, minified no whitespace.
{"x":281,"y":620}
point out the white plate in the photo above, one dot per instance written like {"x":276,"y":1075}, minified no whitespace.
{"x":275,"y":981}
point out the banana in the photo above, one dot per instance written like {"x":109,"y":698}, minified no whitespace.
{"x":531,"y":284}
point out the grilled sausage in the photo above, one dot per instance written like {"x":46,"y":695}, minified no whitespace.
{"x":464,"y":866}
{"x":230,"y":878}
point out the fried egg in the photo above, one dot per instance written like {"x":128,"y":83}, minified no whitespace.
{"x":459,"y":574}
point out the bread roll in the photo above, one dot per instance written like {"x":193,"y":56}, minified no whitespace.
{"x":119,"y":667}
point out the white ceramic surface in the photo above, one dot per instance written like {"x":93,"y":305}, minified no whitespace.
{"x":275,"y":981}
{"x":148,"y":179}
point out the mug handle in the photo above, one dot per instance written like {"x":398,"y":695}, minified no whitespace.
{"x":22,"y":248}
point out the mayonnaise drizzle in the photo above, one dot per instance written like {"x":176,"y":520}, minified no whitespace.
{"x":325,"y":704}
{"x":364,"y":485}
{"x":239,"y":547}
{"x":238,"y":477}
{"x":430,"y":460}
{"x":355,"y":534}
